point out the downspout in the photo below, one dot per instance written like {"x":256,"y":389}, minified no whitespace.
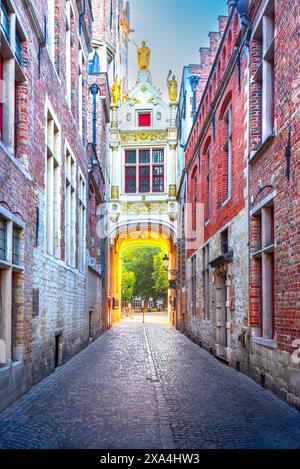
{"x":81,"y":16}
{"x":94,"y":91}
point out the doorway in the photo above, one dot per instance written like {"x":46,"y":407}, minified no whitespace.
{"x":58,"y":350}
{"x":222,"y":342}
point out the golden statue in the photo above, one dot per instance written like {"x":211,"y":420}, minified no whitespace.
{"x":116,"y":92}
{"x":173,"y":89}
{"x":143,"y":56}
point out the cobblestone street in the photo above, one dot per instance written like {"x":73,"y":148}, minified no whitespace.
{"x":148,"y":386}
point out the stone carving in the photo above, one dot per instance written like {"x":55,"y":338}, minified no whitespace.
{"x":141,"y":136}
{"x":114,"y":192}
{"x":116,"y":92}
{"x":173,"y":89}
{"x":172,"y":190}
{"x":143,"y":207}
{"x":143,"y":56}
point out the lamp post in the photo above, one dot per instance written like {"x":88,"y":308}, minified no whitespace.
{"x":166,"y":261}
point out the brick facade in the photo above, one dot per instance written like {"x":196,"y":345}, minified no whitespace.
{"x":274,"y":182}
{"x":253,"y":284}
{"x":54,"y":307}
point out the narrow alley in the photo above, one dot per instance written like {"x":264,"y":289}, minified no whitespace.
{"x":145,"y":386}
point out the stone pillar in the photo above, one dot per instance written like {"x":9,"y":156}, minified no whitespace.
{"x":114,"y":117}
{"x":172,"y":171}
{"x":173,"y":107}
{"x":115,"y":173}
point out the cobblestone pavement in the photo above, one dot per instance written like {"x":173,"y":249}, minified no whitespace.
{"x":148,"y":387}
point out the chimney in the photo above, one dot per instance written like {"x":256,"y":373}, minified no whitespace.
{"x":222,"y":23}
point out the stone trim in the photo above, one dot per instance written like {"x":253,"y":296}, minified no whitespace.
{"x":265,"y":342}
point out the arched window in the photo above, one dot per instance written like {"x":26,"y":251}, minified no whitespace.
{"x":194,"y":184}
{"x":207,"y":180}
{"x":226,"y":150}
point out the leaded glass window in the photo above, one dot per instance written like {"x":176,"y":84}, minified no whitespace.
{"x":3,"y":239}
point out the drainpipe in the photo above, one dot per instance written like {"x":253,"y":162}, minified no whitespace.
{"x":94,"y":91}
{"x":81,"y":17}
{"x":194,"y":80}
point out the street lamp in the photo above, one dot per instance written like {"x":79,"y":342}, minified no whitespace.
{"x":166,"y":261}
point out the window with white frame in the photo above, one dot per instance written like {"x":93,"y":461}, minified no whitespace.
{"x":205,"y":280}
{"x":194,"y":284}
{"x":81,"y":222}
{"x":264,"y":257}
{"x":51,"y":27}
{"x":12,"y":42}
{"x":53,"y":185}
{"x":208,"y":185}
{"x":10,"y":278}
{"x":265,"y":35}
{"x":144,"y":170}
{"x":70,"y":209}
{"x":69,"y":19}
{"x":80,"y":90}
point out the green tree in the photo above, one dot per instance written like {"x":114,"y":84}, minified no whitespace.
{"x":159,"y":275}
{"x":139,"y":260}
{"x":128,"y":282}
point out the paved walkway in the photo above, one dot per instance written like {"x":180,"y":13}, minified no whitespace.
{"x":148,"y":386}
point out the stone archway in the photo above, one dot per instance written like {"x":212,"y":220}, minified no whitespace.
{"x":141,"y":233}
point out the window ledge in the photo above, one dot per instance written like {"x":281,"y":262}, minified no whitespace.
{"x":18,"y":163}
{"x":17,"y":268}
{"x":226,"y":202}
{"x":4,"y":264}
{"x":268,"y":140}
{"x":5,"y":368}
{"x":266,"y":342}
{"x":206,"y":321}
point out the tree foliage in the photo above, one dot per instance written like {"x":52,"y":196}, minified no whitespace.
{"x":159,"y":275}
{"x":128,"y":282}
{"x":145,"y":262}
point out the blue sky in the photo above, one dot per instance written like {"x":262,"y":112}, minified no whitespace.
{"x":174,"y":30}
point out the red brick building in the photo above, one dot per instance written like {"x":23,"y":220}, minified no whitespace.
{"x":274,"y":170}
{"x":242,"y":166}
{"x":216,"y":163}
{"x":52,"y":186}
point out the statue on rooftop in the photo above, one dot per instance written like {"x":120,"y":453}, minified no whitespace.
{"x":173,"y":89}
{"x":116,"y":92}
{"x":143,"y":56}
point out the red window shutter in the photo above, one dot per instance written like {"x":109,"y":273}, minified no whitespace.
{"x":144,"y":119}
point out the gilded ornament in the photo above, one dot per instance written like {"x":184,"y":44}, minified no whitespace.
{"x":138,"y":208}
{"x":114,"y":192}
{"x":144,"y":88}
{"x":140,"y":136}
{"x":143,"y":56}
{"x":172,"y":190}
{"x":116,"y":92}
{"x":173,"y":146}
{"x":173,"y":89}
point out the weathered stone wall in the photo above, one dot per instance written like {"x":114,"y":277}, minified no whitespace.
{"x":204,"y":330}
{"x":50,"y":297}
